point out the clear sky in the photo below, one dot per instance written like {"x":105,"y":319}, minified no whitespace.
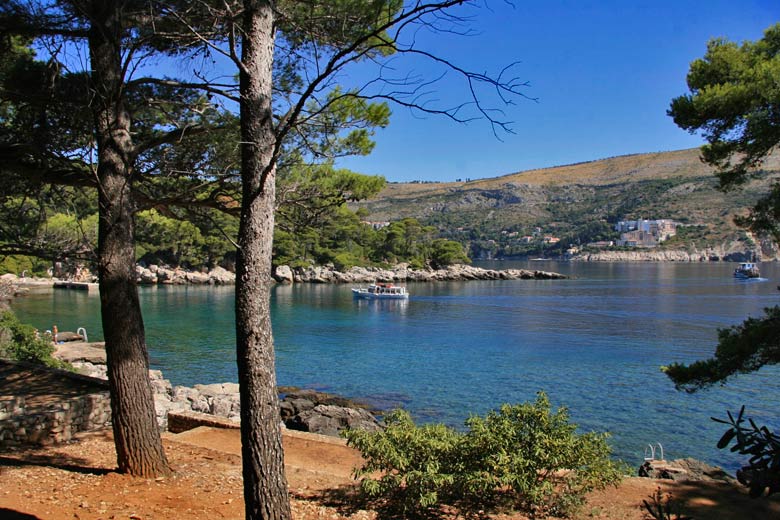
{"x":603,"y":74}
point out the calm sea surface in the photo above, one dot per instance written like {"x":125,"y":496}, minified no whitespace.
{"x":593,"y":343}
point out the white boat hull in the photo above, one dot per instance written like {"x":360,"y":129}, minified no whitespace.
{"x":363,"y":294}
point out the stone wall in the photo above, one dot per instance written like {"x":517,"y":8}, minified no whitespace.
{"x":36,"y":420}
{"x":184,"y":421}
{"x":46,"y":406}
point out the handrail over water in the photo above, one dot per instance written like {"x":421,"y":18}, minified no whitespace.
{"x":651,"y":450}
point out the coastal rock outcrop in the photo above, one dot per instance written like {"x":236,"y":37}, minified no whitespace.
{"x":326,"y":414}
{"x":403,"y":273}
{"x":683,"y":469}
{"x":330,"y":420}
{"x":155,"y":274}
{"x":283,"y":274}
{"x":304,"y":410}
{"x":765,"y":251}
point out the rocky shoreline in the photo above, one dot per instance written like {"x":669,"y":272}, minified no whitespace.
{"x":300,"y":409}
{"x":161,"y":275}
{"x":765,"y":251}
{"x":670,"y":255}
{"x":403,"y":273}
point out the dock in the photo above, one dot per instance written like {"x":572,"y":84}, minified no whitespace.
{"x":79,"y":286}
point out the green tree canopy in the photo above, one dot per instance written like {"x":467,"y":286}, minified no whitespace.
{"x":741,"y":349}
{"x":734,"y":101}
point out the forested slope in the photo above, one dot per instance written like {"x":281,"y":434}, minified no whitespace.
{"x":579,"y":203}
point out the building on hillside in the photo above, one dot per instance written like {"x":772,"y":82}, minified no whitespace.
{"x":645,"y":233}
{"x":376,"y":225}
{"x":601,"y":244}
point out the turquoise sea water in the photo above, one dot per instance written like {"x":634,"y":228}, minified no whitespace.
{"x":593,"y":343}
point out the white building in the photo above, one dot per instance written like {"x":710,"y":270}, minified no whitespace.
{"x":645,"y":233}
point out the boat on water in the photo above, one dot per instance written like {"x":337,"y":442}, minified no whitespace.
{"x":380,"y":291}
{"x":747,"y":270}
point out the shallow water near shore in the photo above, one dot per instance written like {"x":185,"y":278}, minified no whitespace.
{"x":593,"y":343}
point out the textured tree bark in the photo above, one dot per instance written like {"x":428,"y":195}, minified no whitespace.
{"x":136,"y":434}
{"x":265,"y":484}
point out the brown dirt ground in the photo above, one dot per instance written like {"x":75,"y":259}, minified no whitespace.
{"x":77,"y":481}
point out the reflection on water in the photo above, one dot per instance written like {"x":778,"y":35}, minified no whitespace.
{"x":594,"y":343}
{"x":378,"y":306}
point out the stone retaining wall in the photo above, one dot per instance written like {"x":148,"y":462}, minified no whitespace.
{"x":55,"y":423}
{"x":184,"y":421}
{"x":28,"y":420}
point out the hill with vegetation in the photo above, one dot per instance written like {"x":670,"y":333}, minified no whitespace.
{"x":580,"y":203}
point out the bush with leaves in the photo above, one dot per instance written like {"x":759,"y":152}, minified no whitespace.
{"x":21,"y":342}
{"x":521,"y":456}
{"x":761,"y":475}
{"x":537,"y":455}
{"x":415,"y":463}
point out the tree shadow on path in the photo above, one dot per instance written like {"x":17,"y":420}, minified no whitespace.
{"x":57,"y":461}
{"x":11,"y":514}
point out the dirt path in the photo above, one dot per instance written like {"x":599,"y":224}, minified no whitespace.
{"x":77,"y":481}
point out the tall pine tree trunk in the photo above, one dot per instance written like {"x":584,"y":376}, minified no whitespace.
{"x":265,"y":484}
{"x":136,"y":434}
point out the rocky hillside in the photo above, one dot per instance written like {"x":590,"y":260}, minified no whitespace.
{"x":579,"y":203}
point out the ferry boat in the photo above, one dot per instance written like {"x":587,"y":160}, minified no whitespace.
{"x":380,"y":291}
{"x":747,"y":270}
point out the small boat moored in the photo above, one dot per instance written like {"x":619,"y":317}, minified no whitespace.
{"x":747,"y":270}
{"x":380,"y":291}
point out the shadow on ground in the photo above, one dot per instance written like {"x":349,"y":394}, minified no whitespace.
{"x":10,"y":514}
{"x":74,"y":465}
{"x":703,"y":500}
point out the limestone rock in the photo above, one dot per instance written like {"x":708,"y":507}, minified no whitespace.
{"x":682,"y":469}
{"x":66,"y":336}
{"x":215,"y":389}
{"x":160,"y":386}
{"x":87,"y":368}
{"x":196,"y":278}
{"x":221,"y":276}
{"x":194,"y":399}
{"x":402,"y":273}
{"x":225,"y":405}
{"x":94,"y":353}
{"x":331,"y":419}
{"x":283,"y":274}
{"x":145,"y":276}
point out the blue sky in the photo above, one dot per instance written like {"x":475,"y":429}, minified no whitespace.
{"x":603,"y":74}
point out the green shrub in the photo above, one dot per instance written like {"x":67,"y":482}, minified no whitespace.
{"x":344,"y":261}
{"x":29,"y":265}
{"x":521,"y":456}
{"x":415,"y":463}
{"x":534,"y":459}
{"x":21,"y":342}
{"x":761,"y":474}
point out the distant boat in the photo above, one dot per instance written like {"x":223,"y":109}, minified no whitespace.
{"x":747,"y":270}
{"x":380,"y":291}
